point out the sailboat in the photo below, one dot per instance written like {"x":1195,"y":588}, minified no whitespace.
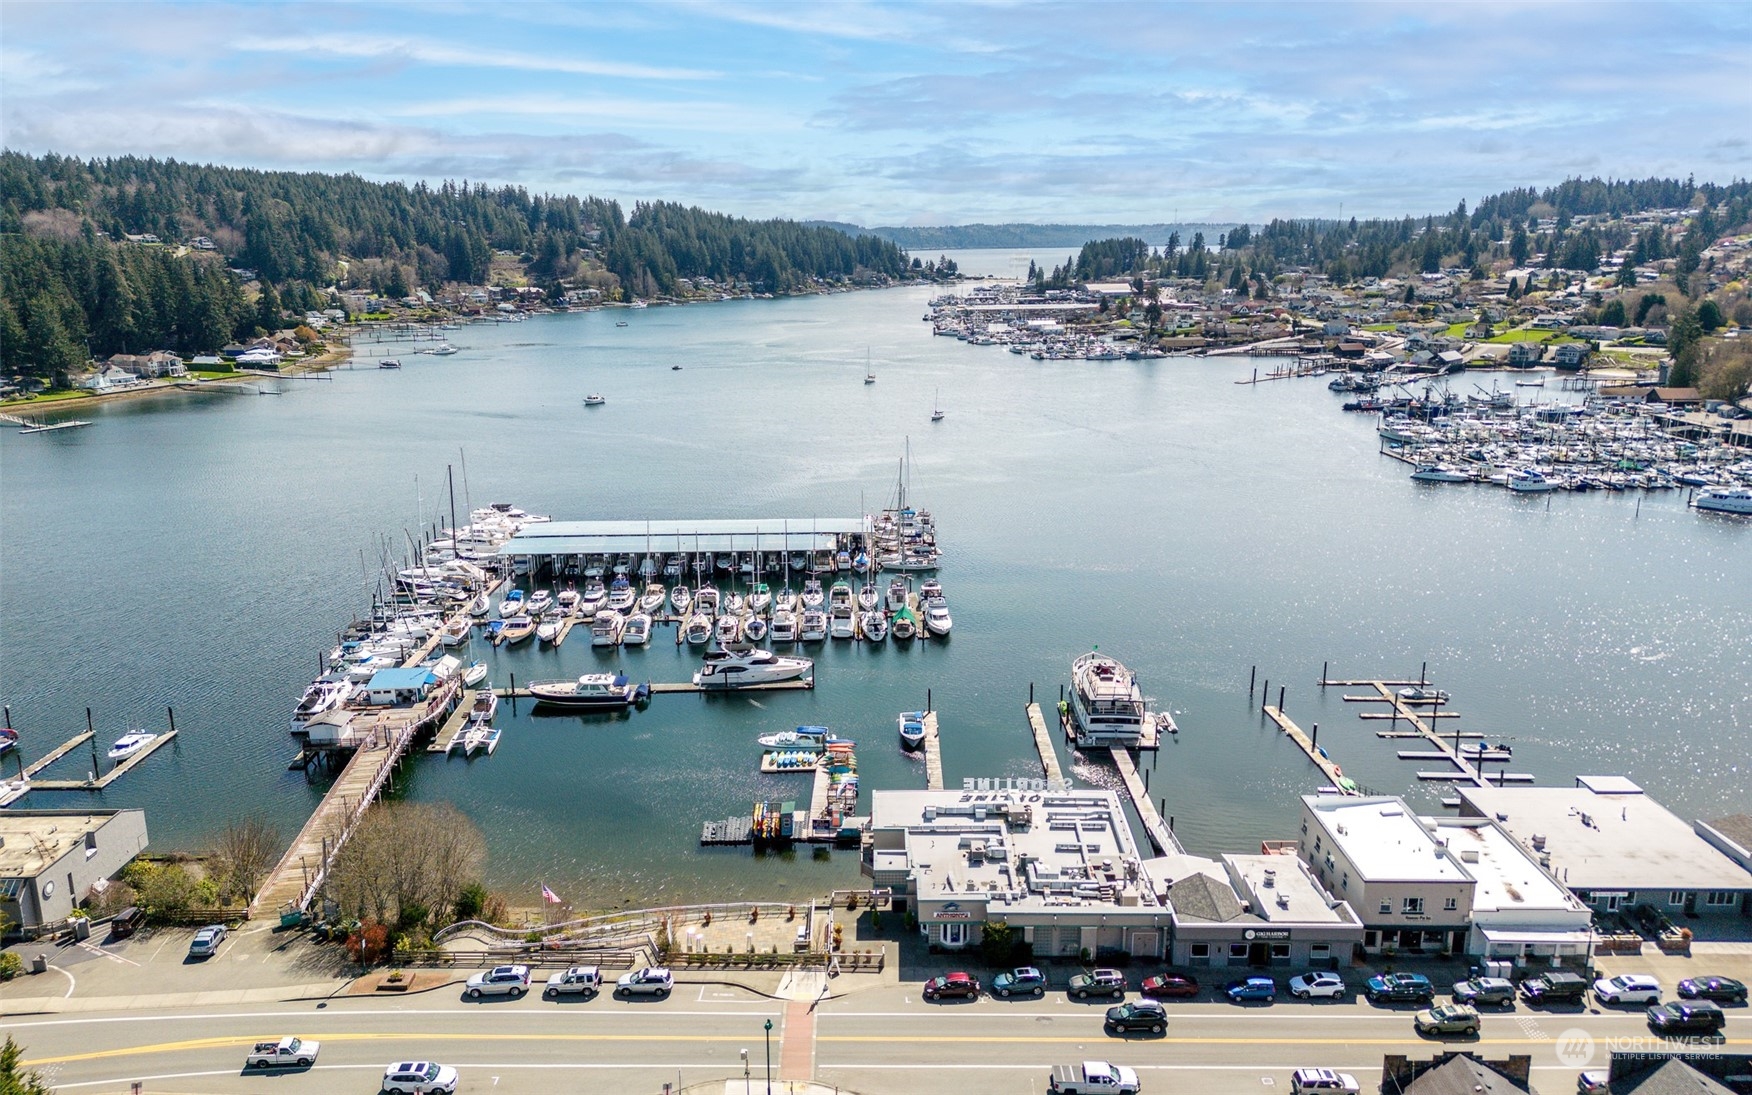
{"x":937,"y":407}
{"x":869,"y":373}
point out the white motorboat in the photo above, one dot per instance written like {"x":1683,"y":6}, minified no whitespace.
{"x":681,"y":600}
{"x":760,"y":598}
{"x":754,"y":629}
{"x":516,"y":630}
{"x":1529,"y":480}
{"x":875,"y":626}
{"x":486,"y":703}
{"x":804,"y":737}
{"x":729,"y":629}
{"x":741,"y":668}
{"x":548,"y":630}
{"x":623,"y":565}
{"x":594,"y":598}
{"x":734,"y":605}
{"x":912,"y":729}
{"x":637,"y":631}
{"x":937,"y":619}
{"x":840,"y":596}
{"x":567,"y":602}
{"x":540,"y":601}
{"x":474,"y":674}
{"x":595,"y":566}
{"x":813,"y":627}
{"x":1440,"y":473}
{"x":812,"y":594}
{"x":455,"y":633}
{"x":1423,"y":694}
{"x":129,"y":744}
{"x":841,"y":624}
{"x":595,"y":400}
{"x":706,"y":600}
{"x":1106,"y":706}
{"x":652,"y":599}
{"x":512,"y":605}
{"x":389,"y":363}
{"x":1724,"y":500}
{"x":606,"y":628}
{"x":698,"y":631}
{"x":592,"y":691}
{"x":899,"y":590}
{"x":869,"y":600}
{"x":324,"y":694}
{"x":621,"y":595}
{"x":930,"y":588}
{"x":480,"y":606}
{"x":784,"y":627}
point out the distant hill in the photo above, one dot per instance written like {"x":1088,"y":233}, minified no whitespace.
{"x":954,"y":237}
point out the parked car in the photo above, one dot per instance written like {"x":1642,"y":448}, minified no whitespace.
{"x":499,"y":981}
{"x":650,"y":981}
{"x":1384,"y":987}
{"x":578,"y":979}
{"x":1252,"y":988}
{"x":1323,"y":1080}
{"x":1723,"y":990}
{"x":1023,"y":980}
{"x":1327,"y":986}
{"x":1485,"y":990}
{"x":954,"y":984}
{"x":1595,"y":1081}
{"x":1137,"y":1015}
{"x":206,"y":941}
{"x":420,"y":1078}
{"x":1687,"y":1017}
{"x":1447,"y":1019}
{"x":1168,"y":984}
{"x":1098,"y":982}
{"x":127,"y":922}
{"x":1628,"y":988}
{"x":1555,"y":987}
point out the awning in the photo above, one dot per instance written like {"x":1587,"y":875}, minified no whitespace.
{"x":1520,"y":936}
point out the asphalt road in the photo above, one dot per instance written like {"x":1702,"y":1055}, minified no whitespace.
{"x":874,"y":1042}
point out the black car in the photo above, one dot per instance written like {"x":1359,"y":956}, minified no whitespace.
{"x":1723,"y":990}
{"x":1414,"y":987}
{"x":1687,"y":1018}
{"x":1137,"y":1015}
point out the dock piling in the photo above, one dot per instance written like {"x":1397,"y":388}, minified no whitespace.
{"x":1280,"y":703}
{"x":1323,"y":666}
{"x":1263,"y":693}
{"x":1252,"y":676}
{"x":1314,"y":738}
{"x":170,"y":714}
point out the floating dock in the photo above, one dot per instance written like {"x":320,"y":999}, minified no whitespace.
{"x":57,"y":753}
{"x":1049,"y":762}
{"x":1464,"y":751}
{"x":108,"y":777}
{"x":1333,"y":773}
{"x":1158,"y":831}
{"x":452,"y":730}
{"x":933,"y":754}
{"x":730,"y":831}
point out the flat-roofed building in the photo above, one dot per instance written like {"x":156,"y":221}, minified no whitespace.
{"x":49,"y":859}
{"x":1253,"y":910}
{"x":1374,"y":852}
{"x":1518,"y":910}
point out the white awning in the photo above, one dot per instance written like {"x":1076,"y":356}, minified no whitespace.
{"x":1520,"y":936}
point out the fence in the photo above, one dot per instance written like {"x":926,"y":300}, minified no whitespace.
{"x":649,"y":921}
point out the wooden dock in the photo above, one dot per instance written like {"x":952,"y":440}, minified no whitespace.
{"x":731,"y":831}
{"x":565,"y":629}
{"x":671,"y":688}
{"x":1334,"y":775}
{"x":57,"y":753}
{"x":1043,"y":744}
{"x":1158,"y":831}
{"x":452,"y":728}
{"x":933,"y":754}
{"x":109,"y":777}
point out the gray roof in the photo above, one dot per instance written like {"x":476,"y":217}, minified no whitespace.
{"x":1202,"y":897}
{"x":1736,"y":827}
{"x":1462,"y":1075}
{"x":1673,"y":1077}
{"x":675,"y":537}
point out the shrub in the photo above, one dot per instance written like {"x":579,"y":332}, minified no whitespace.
{"x":10,"y":966}
{"x":369,"y":944}
{"x":471,"y":901}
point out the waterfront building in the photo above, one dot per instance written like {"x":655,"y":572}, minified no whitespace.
{"x":50,"y":859}
{"x":400,"y":687}
{"x":1616,"y":848}
{"x":1263,"y":910}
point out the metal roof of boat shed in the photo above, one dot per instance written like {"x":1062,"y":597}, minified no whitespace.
{"x":672,"y":537}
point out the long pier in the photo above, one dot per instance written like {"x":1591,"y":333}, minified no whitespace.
{"x":1421,"y":716}
{"x":1043,"y":744}
{"x":933,"y":754}
{"x":108,"y":777}
{"x":670,"y":688}
{"x":57,"y":753}
{"x":1158,"y":831}
{"x":1333,"y":774}
{"x":31,"y":425}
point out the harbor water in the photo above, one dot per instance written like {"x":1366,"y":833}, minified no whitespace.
{"x":199,"y":551}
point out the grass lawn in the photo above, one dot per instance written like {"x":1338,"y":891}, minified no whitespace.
{"x":1380,"y":327}
{"x":46,"y":397}
{"x":1523,"y":334}
{"x":1458,"y":330}
{"x":202,"y":374}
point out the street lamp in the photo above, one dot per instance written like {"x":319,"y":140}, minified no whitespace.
{"x":745,"y":1082}
{"x":769,"y":1055}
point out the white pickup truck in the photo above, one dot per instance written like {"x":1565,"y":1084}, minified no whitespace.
{"x":1093,"y":1078}
{"x":286,"y":1053}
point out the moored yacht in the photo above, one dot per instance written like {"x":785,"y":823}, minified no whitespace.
{"x":899,"y":589}
{"x":912,"y":729}
{"x":512,"y":605}
{"x":1106,"y":706}
{"x":1530,"y":480}
{"x":1724,"y":500}
{"x":129,"y":744}
{"x":905,"y":627}
{"x":324,"y":694}
{"x":729,"y":629}
{"x":548,"y":630}
{"x":937,"y":619}
{"x":517,"y":629}
{"x":813,"y":627}
{"x":621,"y":595}
{"x":739,"y":669}
{"x":681,"y":600}
{"x":652,"y":599}
{"x":784,"y":626}
{"x":540,"y":601}
{"x":605,"y":629}
{"x":760,"y":598}
{"x":1440,"y":473}
{"x":875,"y":626}
{"x":637,"y":631}
{"x":698,"y":630}
{"x":812,"y":594}
{"x":591,"y":691}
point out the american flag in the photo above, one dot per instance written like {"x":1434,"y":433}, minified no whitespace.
{"x":549,"y":896}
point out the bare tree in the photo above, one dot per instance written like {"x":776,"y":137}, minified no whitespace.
{"x":406,"y":862}
{"x":241,"y":854}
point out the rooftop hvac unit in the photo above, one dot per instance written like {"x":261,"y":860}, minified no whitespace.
{"x":1283,"y":900}
{"x":1469,"y":855}
{"x":1270,"y":877}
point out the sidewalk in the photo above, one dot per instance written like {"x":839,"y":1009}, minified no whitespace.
{"x":55,"y":1005}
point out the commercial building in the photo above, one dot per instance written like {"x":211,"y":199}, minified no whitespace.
{"x":1519,"y":911}
{"x":1373,"y":852}
{"x":1252,"y":910}
{"x":1614,"y":847}
{"x":49,"y":859}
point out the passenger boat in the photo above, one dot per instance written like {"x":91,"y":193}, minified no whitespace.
{"x":486,"y":703}
{"x":937,"y":619}
{"x":1440,"y":473}
{"x":474,"y":674}
{"x":1724,"y":500}
{"x":741,"y":668}
{"x":652,"y":599}
{"x":592,"y":691}
{"x":605,"y":629}
{"x":760,"y":598}
{"x":698,"y":631}
{"x":875,"y":625}
{"x":516,"y":630}
{"x":621,"y":595}
{"x":729,"y":629}
{"x":129,"y":744}
{"x":905,"y":626}
{"x":784,"y":626}
{"x":389,"y":363}
{"x":813,"y":627}
{"x":512,"y":605}
{"x":549,"y":629}
{"x":540,"y":601}
{"x":754,"y":629}
{"x":637,"y":631}
{"x":1106,"y":706}
{"x":812,"y":595}
{"x":681,"y":600}
{"x":912,"y":730}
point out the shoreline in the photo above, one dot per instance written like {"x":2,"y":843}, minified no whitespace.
{"x":329,"y":359}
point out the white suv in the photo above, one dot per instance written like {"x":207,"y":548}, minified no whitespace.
{"x":420,"y":1078}
{"x":650,"y":981}
{"x":498,"y":981}
{"x":1323,"y":1079}
{"x":1628,"y":988}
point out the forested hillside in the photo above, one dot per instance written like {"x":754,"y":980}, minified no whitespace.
{"x":70,"y":286}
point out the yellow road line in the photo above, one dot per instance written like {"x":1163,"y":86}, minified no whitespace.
{"x":380,"y":1036}
{"x":1279,"y":1041}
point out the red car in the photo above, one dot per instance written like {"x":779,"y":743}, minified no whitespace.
{"x":955,"y":984}
{"x":1169,"y":984}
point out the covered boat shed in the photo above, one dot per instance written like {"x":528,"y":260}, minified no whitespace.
{"x":809,"y":534}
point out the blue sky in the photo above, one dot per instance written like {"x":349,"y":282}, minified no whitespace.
{"x":882,"y":113}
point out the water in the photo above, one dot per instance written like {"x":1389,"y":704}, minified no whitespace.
{"x":199,"y":551}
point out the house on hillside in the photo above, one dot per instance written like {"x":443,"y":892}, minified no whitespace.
{"x":1571,"y":355}
{"x":1525,"y":354}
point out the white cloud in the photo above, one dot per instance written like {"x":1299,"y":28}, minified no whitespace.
{"x":437,"y":53}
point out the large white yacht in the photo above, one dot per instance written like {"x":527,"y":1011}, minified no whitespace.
{"x":741,"y":668}
{"x":1106,"y":705}
{"x":1725,"y":500}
